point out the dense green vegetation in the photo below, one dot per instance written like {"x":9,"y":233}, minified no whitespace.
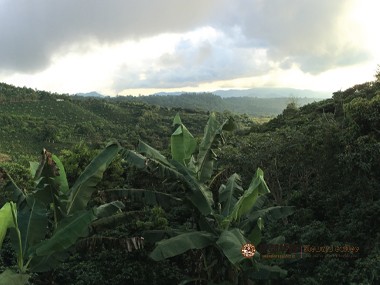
{"x":321,"y":160}
{"x":324,"y":159}
{"x":209,"y":102}
{"x":31,"y":120}
{"x":47,"y":220}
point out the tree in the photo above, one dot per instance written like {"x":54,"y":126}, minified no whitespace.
{"x":49,"y":132}
{"x":377,"y":74}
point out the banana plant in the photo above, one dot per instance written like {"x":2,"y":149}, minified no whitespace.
{"x":46,"y":221}
{"x":193,"y":171}
{"x":227,"y":219}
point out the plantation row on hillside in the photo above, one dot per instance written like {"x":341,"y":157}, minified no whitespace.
{"x":31,"y":120}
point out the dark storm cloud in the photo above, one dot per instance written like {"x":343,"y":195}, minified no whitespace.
{"x":305,"y":33}
{"x":32,"y":31}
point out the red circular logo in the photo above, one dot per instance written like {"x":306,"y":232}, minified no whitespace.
{"x":248,"y":250}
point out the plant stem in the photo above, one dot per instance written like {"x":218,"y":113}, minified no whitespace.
{"x":20,"y":258}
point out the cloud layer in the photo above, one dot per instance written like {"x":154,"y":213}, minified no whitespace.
{"x":33,"y":31}
{"x":247,"y":38}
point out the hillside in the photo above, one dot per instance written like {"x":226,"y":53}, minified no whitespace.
{"x":323,"y":159}
{"x":31,"y":120}
{"x":266,"y":92}
{"x":209,"y":102}
{"x":262,"y":92}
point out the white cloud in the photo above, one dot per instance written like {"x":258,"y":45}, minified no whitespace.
{"x":136,"y":46}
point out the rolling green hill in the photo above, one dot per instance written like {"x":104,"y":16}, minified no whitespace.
{"x":322,"y":158}
{"x":209,"y":102}
{"x":31,"y":120}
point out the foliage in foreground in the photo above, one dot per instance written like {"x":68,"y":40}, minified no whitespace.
{"x":224,"y":219}
{"x":47,"y":221}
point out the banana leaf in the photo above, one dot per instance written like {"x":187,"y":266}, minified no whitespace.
{"x":207,"y":168}
{"x":204,"y":161}
{"x":228,"y":195}
{"x":182,"y":142}
{"x":83,"y":188}
{"x":159,"y":167}
{"x":248,"y":200}
{"x":176,"y":171}
{"x":179,"y":244}
{"x":212,"y":136}
{"x":231,"y":242}
{"x":33,"y":167}
{"x":260,"y":201}
{"x":149,"y":197}
{"x":68,"y":231}
{"x":135,"y":159}
{"x":269,"y":215}
{"x":47,"y":262}
{"x":151,"y":152}
{"x":32,"y":223}
{"x":199,"y":195}
{"x":47,"y":192}
{"x":108,"y":209}
{"x":9,"y":277}
{"x":61,"y":179}
{"x":255,"y":236}
{"x":163,"y":171}
{"x":7,"y":221}
{"x":51,"y":184}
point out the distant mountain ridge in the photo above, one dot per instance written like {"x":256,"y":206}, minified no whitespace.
{"x":261,"y":92}
{"x":273,"y":93}
{"x":255,"y":101}
{"x":91,"y":94}
{"x":210,"y":102}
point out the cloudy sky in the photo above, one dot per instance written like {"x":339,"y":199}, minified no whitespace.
{"x":146,"y":46}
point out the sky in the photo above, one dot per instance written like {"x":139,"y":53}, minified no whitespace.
{"x":132,"y":47}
